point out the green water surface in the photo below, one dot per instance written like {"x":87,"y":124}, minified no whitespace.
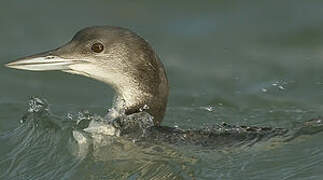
{"x":241,"y":62}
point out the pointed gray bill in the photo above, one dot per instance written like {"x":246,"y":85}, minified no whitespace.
{"x":42,"y":62}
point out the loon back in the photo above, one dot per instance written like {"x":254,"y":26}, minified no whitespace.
{"x":115,"y":56}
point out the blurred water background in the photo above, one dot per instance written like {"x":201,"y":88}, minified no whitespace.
{"x":241,"y":62}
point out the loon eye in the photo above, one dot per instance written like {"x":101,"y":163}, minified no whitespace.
{"x":97,"y":47}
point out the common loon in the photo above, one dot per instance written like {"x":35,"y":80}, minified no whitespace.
{"x":124,"y":60}
{"x":115,"y":56}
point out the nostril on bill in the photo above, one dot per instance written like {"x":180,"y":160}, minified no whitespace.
{"x":49,"y":57}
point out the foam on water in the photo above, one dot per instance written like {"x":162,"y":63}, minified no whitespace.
{"x":54,"y":147}
{"x":51,"y":147}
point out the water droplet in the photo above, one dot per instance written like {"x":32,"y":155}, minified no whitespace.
{"x":69,"y":116}
{"x":281,"y":87}
{"x":37,"y":104}
{"x":145,"y":107}
{"x":264,"y":90}
{"x":210,"y":108}
{"x":280,"y":84}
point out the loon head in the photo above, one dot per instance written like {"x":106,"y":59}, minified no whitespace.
{"x":115,"y":56}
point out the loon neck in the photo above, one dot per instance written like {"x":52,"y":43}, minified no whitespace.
{"x":147,"y":92}
{"x":132,"y":99}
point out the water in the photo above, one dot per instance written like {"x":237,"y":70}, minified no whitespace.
{"x":243,"y":63}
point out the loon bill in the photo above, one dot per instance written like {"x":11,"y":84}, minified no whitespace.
{"x":113,"y":55}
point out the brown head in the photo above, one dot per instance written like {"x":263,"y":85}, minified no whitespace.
{"x":115,"y":56}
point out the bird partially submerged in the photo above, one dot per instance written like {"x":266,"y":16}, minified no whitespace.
{"x":124,"y":60}
{"x":115,"y":56}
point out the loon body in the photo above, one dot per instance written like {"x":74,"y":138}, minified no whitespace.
{"x":115,"y":56}
{"x":124,"y":60}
